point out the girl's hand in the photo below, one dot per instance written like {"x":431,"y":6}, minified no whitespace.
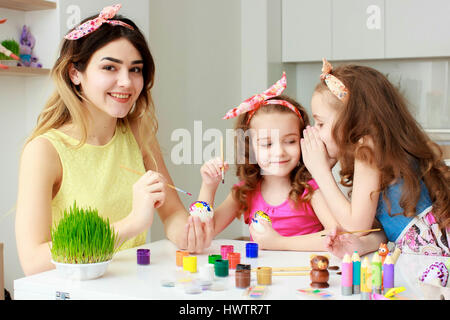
{"x":148,"y":194}
{"x":339,"y":245}
{"x":314,"y":152}
{"x":199,"y":234}
{"x":268,"y":239}
{"x":211,"y":171}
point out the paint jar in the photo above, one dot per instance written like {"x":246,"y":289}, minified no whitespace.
{"x":190,"y":263}
{"x":242,"y":277}
{"x":234,"y":259}
{"x":225,"y":249}
{"x":179,"y":257}
{"x":264,"y":275}
{"x":143,"y":256}
{"x":207,"y":272}
{"x":221,"y":268}
{"x":213,"y":257}
{"x":251,"y":250}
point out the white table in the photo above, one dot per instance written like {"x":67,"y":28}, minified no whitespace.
{"x":125,"y":279}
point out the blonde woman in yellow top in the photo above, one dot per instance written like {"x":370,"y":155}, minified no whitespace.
{"x":101,"y":116}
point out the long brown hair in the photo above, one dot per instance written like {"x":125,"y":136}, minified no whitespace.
{"x":65,"y":104}
{"x":401,"y":149}
{"x":249,"y":173}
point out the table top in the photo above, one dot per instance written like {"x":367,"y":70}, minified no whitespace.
{"x":125,"y":279}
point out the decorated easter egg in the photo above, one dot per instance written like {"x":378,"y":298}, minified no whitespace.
{"x":257,"y":217}
{"x":201,"y":209}
{"x":438,"y":271}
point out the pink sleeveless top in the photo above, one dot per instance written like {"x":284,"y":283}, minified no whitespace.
{"x":286,"y":220}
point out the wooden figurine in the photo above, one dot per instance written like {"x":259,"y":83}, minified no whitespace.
{"x":319,"y":271}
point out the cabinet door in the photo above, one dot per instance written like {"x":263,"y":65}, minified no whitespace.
{"x":306,"y":30}
{"x":358,"y":29}
{"x":417,"y":28}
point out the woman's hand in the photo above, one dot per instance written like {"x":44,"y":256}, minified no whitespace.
{"x":314,"y":152}
{"x":199,"y":235}
{"x":211,"y":172}
{"x":268,"y":239}
{"x":148,"y":194}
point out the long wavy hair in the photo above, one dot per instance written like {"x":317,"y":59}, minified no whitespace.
{"x":401,"y":149}
{"x":65,"y":105}
{"x":249,"y":172}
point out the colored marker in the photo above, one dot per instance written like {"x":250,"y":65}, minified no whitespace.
{"x":376,"y":273}
{"x":347,"y":276}
{"x":356,"y":262}
{"x":388,"y":273}
{"x":366,"y":280}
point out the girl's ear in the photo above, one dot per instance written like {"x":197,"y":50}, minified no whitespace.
{"x":74,"y":75}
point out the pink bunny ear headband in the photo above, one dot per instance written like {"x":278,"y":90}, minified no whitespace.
{"x":90,"y":26}
{"x":258,"y":100}
{"x":334,"y":84}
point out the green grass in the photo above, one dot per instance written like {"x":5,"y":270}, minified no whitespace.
{"x":82,"y":236}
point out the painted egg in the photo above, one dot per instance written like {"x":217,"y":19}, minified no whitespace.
{"x":257,"y":217}
{"x":201,"y":209}
{"x":438,"y":271}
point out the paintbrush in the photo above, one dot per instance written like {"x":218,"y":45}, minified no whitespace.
{"x":357,"y":231}
{"x":169,"y":185}
{"x":221,"y":155}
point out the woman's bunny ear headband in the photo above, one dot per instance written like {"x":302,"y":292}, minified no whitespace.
{"x":334,"y":84}
{"x":90,"y":26}
{"x":258,"y":100}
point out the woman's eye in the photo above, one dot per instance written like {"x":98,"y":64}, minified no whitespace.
{"x":109,"y":68}
{"x":265,"y":145}
{"x":136,"y":70}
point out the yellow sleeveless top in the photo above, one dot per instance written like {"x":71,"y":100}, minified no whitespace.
{"x":92,"y":176}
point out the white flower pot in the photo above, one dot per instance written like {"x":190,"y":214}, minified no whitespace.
{"x":88,"y":271}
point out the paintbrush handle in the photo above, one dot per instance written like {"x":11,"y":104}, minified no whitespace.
{"x":168,"y":184}
{"x":291,"y":274}
{"x":356,"y":231}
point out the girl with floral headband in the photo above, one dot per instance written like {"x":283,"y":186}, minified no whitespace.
{"x":276,"y":194}
{"x":100,"y":117}
{"x":397,"y":174}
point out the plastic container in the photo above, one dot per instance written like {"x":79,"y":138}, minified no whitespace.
{"x":78,"y":271}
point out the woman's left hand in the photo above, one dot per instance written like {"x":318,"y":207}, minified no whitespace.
{"x":268,"y":239}
{"x":314,"y":152}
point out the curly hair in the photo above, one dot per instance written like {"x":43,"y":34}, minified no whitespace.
{"x":401,"y":149}
{"x":249,"y":172}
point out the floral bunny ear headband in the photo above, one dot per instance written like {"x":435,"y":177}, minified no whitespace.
{"x":258,"y":100}
{"x":334,"y":84}
{"x":90,"y":26}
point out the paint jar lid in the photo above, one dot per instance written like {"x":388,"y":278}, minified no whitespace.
{"x":251,"y":250}
{"x":143,"y":256}
{"x":221,"y":268}
{"x":241,"y":266}
{"x":213,"y":257}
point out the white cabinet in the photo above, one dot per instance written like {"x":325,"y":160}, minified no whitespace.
{"x":364,"y":29}
{"x":357,"y":29}
{"x":306,"y":30}
{"x":417,"y":28}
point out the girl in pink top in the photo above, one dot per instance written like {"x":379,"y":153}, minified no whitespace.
{"x":272,"y":176}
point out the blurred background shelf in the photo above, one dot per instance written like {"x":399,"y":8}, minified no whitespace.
{"x":24,"y":71}
{"x":27,"y":5}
